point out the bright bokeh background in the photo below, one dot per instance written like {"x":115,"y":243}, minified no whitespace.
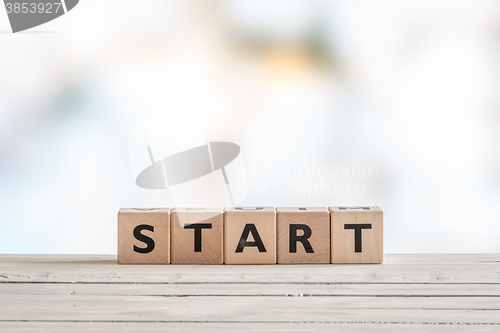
{"x":408,"y":90}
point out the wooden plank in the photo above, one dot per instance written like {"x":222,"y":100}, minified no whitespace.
{"x":246,"y":289}
{"x":247,"y":309}
{"x":440,"y":258}
{"x":443,"y":258}
{"x":408,"y":258}
{"x":39,"y":326}
{"x":104,"y":269}
{"x":93,"y":293}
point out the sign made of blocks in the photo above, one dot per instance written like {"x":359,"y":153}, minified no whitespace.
{"x":251,"y":235}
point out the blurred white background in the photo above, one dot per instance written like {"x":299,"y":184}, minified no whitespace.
{"x":389,"y":103}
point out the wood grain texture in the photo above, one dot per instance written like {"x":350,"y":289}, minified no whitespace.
{"x":184,"y":249}
{"x":263,"y":223}
{"x":246,"y":309}
{"x":440,"y":292}
{"x":253,"y":289}
{"x":318,"y":222}
{"x":397,"y":269}
{"x":228,"y":327}
{"x":157,"y":222}
{"x":350,"y":245}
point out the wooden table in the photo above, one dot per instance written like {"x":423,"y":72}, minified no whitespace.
{"x":445,"y":292}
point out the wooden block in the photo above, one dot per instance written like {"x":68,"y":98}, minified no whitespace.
{"x":250,"y":235}
{"x":357,"y":235}
{"x":303,"y":235}
{"x":196,"y":235}
{"x":144,"y":236}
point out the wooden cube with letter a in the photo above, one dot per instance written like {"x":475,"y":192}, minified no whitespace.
{"x":357,"y":235}
{"x":250,"y":235}
{"x":144,"y":236}
{"x":196,"y":235}
{"x":303,"y":235}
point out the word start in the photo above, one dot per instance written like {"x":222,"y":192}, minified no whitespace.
{"x":251,"y":235}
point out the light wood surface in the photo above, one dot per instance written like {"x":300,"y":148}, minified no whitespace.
{"x":191,"y":246}
{"x":352,"y":245}
{"x":150,"y":242}
{"x":256,"y":228}
{"x":292,"y":221}
{"x":52,"y":293}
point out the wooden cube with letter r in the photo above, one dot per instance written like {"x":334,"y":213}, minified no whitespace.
{"x":303,"y":235}
{"x":250,"y":235}
{"x":144,"y":236}
{"x":196,"y":235}
{"x":357,"y":235}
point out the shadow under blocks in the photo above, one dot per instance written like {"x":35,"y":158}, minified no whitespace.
{"x":251,"y":235}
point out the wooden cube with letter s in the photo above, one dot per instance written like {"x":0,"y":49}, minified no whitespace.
{"x":144,"y":236}
{"x":250,"y":235}
{"x":357,"y":235}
